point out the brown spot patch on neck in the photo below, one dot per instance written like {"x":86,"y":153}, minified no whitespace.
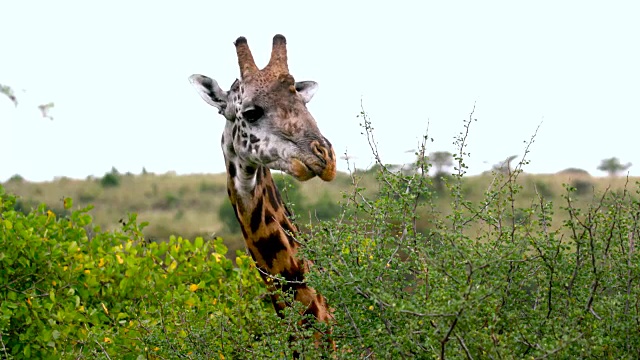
{"x":257,"y":217}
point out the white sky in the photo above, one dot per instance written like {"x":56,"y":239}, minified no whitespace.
{"x":117,"y":73}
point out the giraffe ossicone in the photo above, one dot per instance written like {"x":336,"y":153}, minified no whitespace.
{"x":269,"y":127}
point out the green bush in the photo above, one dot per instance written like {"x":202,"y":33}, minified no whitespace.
{"x":582,"y":187}
{"x":17,"y":178}
{"x":110,"y":180}
{"x":523,"y":287}
{"x":574,"y":171}
{"x":63,"y":295}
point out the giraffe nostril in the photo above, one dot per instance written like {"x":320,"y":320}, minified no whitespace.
{"x":320,"y":151}
{"x":325,"y":168}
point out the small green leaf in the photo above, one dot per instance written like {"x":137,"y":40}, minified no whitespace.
{"x":198,"y":242}
{"x":68,"y":203}
{"x":73,"y":246}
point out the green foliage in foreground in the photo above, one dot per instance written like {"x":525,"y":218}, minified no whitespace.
{"x":66,"y":295}
{"x":521,"y":287}
{"x":518,"y":290}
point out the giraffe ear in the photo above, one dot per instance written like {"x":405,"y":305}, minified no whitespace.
{"x":209,"y":91}
{"x":306,"y":89}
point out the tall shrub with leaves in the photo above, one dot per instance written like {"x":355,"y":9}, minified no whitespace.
{"x":522,"y":287}
{"x":115,"y":295}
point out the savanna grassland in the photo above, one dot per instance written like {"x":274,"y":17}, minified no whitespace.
{"x":196,"y":205}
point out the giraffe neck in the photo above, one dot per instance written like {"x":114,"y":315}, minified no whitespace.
{"x":268,"y":232}
{"x":269,"y":235}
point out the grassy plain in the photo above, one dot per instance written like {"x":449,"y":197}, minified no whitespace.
{"x":188,"y":205}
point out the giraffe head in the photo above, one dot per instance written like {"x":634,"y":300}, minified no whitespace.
{"x":268,"y":123}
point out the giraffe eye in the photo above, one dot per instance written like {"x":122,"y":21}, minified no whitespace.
{"x":253,"y":114}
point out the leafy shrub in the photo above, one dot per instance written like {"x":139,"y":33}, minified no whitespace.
{"x":110,"y":180}
{"x":17,"y":178}
{"x":582,"y":187}
{"x":523,"y":287}
{"x":171,"y":200}
{"x":65,"y":296}
{"x":574,"y":171}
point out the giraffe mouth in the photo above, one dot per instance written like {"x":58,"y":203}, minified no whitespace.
{"x":300,"y":170}
{"x":304,"y":172}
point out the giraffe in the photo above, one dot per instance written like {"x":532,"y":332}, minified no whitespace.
{"x":268,"y":126}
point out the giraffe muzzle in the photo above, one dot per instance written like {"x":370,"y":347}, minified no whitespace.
{"x":321,"y":163}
